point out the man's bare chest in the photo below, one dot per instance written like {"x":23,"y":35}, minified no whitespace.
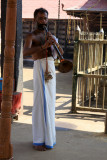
{"x":38,"y":40}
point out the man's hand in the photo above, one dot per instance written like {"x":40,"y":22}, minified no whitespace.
{"x":49,"y":42}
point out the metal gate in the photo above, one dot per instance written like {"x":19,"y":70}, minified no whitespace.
{"x":89,"y":88}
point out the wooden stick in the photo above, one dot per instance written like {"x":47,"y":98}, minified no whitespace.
{"x":106,"y":123}
{"x":6,"y":150}
{"x":93,"y":41}
{"x":86,"y":108}
{"x":81,"y":74}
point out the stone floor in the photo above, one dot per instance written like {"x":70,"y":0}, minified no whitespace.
{"x":79,"y":136}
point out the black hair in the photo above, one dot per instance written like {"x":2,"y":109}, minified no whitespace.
{"x":40,"y":10}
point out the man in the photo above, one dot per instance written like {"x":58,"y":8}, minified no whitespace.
{"x":39,"y":44}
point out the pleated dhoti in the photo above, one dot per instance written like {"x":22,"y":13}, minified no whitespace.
{"x":43,"y":113}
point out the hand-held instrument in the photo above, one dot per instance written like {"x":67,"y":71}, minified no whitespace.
{"x":64,"y":65}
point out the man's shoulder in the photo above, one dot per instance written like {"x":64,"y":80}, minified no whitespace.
{"x":31,"y":35}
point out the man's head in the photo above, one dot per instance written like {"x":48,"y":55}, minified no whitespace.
{"x":41,"y":18}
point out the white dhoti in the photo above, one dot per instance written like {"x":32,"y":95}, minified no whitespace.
{"x":43,"y":114}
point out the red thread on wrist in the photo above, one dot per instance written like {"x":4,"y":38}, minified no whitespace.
{"x":41,"y":47}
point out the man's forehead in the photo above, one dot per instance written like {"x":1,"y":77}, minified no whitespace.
{"x":44,"y":14}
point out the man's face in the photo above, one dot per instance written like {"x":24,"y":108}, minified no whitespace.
{"x":41,"y":19}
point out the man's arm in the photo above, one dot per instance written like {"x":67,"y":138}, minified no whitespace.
{"x":29,"y":50}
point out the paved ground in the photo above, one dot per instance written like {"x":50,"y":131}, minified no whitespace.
{"x":79,"y":136}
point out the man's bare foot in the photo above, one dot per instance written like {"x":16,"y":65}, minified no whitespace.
{"x":40,"y":148}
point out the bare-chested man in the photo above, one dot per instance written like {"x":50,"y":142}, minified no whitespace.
{"x":39,"y":44}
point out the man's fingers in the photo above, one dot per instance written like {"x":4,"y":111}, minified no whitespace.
{"x":51,"y":39}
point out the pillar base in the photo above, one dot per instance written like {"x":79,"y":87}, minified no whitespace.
{"x":7,"y":159}
{"x":6,"y":149}
{"x":6,"y":152}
